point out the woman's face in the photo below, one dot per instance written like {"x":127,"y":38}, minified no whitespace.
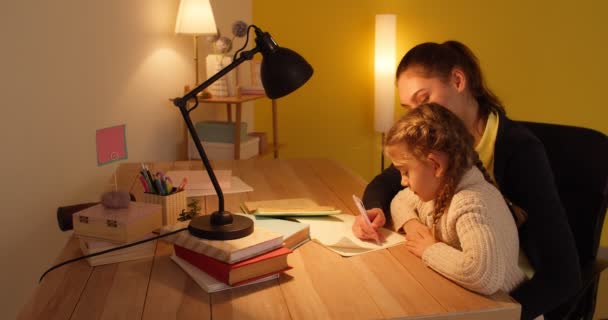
{"x":415,"y":89}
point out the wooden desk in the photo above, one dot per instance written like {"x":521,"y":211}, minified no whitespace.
{"x":238,"y":101}
{"x":322,"y":285}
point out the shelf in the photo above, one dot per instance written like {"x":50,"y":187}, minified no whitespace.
{"x":237,"y":101}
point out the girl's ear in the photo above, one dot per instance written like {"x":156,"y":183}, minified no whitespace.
{"x":439,"y":161}
{"x":458,"y":79}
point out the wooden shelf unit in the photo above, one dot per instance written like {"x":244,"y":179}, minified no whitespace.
{"x":238,"y":101}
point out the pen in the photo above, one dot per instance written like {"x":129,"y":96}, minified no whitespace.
{"x":159,"y":187}
{"x":148,"y":183}
{"x":144,"y":184}
{"x":363,"y":212}
{"x":165,"y":186}
{"x":149,"y":178}
{"x":169,"y":184}
{"x":182,"y":186}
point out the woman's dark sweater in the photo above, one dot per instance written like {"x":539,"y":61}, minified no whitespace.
{"x":524,"y":176}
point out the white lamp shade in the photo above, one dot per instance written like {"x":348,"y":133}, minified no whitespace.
{"x":195,"y":17}
{"x":384,"y":72}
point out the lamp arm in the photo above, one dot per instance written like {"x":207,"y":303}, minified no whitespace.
{"x":182,"y":102}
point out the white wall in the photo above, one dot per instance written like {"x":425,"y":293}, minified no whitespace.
{"x":67,"y":68}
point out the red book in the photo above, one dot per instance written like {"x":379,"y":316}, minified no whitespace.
{"x":259,"y":266}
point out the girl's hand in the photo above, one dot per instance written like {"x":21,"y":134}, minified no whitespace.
{"x":418,"y":241}
{"x":363,"y":231}
{"x":414,"y":226}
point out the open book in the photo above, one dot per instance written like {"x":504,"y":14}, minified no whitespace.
{"x":294,"y":233}
{"x":335,"y":233}
{"x":288,"y":207}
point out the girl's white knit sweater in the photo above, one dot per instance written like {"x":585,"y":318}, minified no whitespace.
{"x":479,"y":244}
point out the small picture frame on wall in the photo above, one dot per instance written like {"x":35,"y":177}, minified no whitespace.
{"x":111,"y":144}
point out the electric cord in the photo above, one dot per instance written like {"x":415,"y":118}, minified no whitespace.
{"x":109,"y":250}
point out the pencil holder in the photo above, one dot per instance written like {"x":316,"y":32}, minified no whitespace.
{"x":172,"y":204}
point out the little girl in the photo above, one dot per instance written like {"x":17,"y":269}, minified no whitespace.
{"x":454,"y":217}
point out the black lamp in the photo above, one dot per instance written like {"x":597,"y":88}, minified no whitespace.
{"x":282,"y":72}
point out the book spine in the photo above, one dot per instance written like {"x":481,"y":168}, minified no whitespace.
{"x":274,"y":274}
{"x":215,"y":268}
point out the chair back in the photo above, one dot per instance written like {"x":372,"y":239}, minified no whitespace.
{"x":579,"y":161}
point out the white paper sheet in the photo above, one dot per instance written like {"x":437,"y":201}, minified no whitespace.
{"x":236,"y":186}
{"x":335,"y":233}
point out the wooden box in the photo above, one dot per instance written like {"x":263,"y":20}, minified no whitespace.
{"x":118,"y":225}
{"x":219,"y":131}
{"x":172,"y":205}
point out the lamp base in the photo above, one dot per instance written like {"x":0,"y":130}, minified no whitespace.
{"x":202,"y":226}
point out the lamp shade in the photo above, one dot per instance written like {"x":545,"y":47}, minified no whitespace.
{"x":195,"y":17}
{"x":282,"y":70}
{"x":384,"y":72}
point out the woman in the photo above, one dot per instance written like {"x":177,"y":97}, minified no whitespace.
{"x":449,"y":74}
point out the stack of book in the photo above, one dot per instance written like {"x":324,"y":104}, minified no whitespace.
{"x":294,"y":233}
{"x":218,"y":265}
{"x":141,"y":251}
{"x":252,"y":90}
{"x":99,"y":229}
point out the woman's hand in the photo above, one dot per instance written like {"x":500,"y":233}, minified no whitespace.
{"x":419,"y":240}
{"x":363,"y":231}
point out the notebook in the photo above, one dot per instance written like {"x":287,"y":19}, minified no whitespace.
{"x":294,"y":233}
{"x":288,"y":207}
{"x":335,"y":233}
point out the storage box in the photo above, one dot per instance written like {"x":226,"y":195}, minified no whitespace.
{"x":219,"y":131}
{"x":140,"y":251}
{"x":118,"y":225}
{"x":225,"y":151}
{"x":263,"y":140}
{"x":172,"y":205}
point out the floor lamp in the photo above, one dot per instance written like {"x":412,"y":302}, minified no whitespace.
{"x":384,"y":76}
{"x":195,"y":17}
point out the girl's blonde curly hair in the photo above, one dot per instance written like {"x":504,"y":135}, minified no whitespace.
{"x":432,"y":127}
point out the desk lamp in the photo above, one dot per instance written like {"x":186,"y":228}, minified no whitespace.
{"x":282,"y":71}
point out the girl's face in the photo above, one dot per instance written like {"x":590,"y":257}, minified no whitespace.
{"x":414,"y":89}
{"x":423,"y":177}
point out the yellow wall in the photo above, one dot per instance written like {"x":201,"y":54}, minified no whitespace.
{"x":545,"y":59}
